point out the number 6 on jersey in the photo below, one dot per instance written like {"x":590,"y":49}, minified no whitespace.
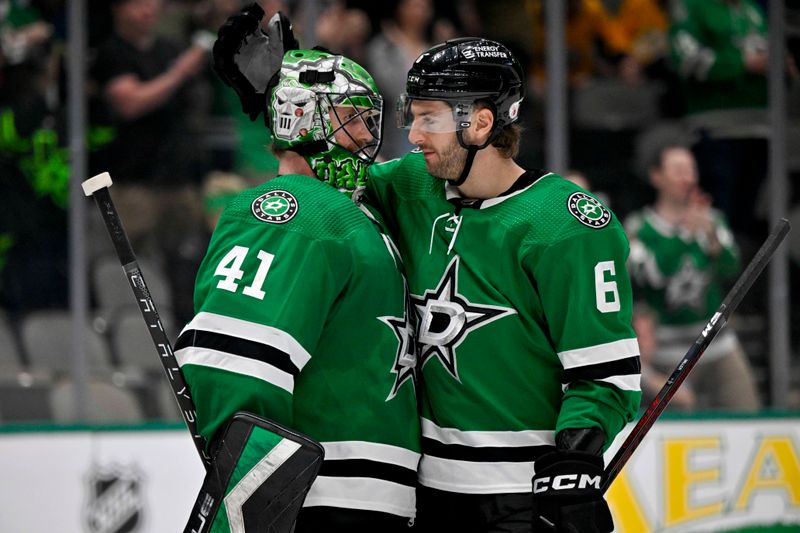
{"x":603,"y":288}
{"x":230,"y":268}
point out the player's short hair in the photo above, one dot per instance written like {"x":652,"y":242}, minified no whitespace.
{"x":508,"y":139}
{"x":277,"y":152}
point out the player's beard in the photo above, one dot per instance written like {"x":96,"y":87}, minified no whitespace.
{"x":449,"y":162}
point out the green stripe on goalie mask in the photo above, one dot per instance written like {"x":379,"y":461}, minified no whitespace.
{"x":319,"y":100}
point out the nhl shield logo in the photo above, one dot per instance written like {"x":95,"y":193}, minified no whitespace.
{"x":588,"y":210}
{"x":115,"y":501}
{"x":276,"y":207}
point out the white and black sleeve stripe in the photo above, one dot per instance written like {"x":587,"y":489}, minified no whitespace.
{"x":242,"y":347}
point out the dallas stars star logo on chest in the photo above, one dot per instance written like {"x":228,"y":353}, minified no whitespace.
{"x":405,"y":357}
{"x":446,"y":318}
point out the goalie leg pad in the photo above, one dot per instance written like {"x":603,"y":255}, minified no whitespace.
{"x":259,"y":478}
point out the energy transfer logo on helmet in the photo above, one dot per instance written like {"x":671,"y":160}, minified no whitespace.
{"x":327,"y":109}
{"x":462,"y":72}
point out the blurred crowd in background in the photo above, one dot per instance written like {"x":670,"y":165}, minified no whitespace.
{"x":667,"y":124}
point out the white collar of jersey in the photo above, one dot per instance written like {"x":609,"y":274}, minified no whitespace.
{"x":665,"y":227}
{"x":454,"y":195}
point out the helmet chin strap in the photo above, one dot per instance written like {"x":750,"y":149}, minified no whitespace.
{"x":472,"y":150}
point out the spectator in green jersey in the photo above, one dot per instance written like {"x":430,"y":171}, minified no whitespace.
{"x":681,"y":253}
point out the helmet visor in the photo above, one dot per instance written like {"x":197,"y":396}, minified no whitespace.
{"x":444,"y":120}
{"x":357,"y":124}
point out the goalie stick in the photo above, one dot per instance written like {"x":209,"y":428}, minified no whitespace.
{"x":717,"y":322}
{"x":97,"y":188}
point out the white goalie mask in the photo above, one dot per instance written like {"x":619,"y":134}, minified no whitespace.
{"x":327,"y":108}
{"x":293,"y":109}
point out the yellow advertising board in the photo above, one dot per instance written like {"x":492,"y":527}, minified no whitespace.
{"x":710,"y":475}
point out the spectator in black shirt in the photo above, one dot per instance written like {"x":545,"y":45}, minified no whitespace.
{"x":142,"y":83}
{"x":140,"y":76}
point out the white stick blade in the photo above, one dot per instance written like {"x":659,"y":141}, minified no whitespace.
{"x":92,"y":185}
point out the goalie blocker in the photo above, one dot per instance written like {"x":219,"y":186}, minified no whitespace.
{"x":258,"y":480}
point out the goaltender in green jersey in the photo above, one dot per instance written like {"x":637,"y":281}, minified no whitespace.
{"x":301,"y":304}
{"x":529,"y":363}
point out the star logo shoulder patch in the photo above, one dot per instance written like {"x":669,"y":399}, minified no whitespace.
{"x":446,"y":318}
{"x":276,"y":207}
{"x":588,"y":210}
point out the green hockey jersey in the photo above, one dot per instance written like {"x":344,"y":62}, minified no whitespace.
{"x":677,"y":276}
{"x":524,"y":308}
{"x":301,"y":317}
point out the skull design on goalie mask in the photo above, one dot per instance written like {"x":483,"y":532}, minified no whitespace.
{"x":294,"y":112}
{"x":327,"y":109}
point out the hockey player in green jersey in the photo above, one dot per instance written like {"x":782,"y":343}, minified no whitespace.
{"x":681,"y":252}
{"x":529,"y":363}
{"x":300,"y":303}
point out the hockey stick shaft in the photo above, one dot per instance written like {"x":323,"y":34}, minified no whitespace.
{"x":97,"y":187}
{"x":717,"y":322}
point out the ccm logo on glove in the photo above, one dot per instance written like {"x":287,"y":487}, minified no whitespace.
{"x":567,"y":495}
{"x":566,"y":482}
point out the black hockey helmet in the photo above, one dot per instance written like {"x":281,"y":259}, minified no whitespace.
{"x":461,"y":72}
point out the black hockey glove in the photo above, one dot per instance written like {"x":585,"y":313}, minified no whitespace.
{"x":566,"y":486}
{"x":246,"y":58}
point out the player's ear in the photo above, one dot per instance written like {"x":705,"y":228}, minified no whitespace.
{"x":482,"y":121}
